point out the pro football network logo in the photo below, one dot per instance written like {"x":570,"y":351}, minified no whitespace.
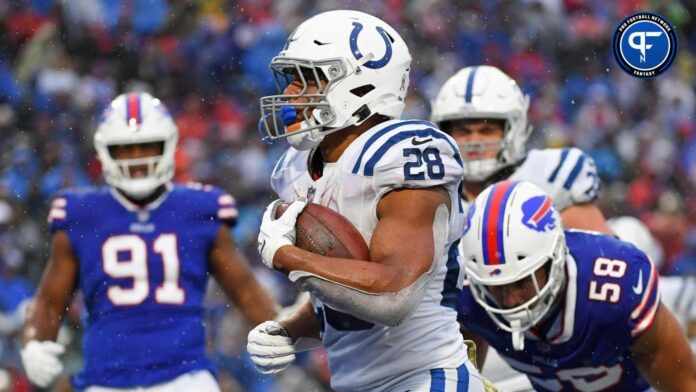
{"x":645,"y":44}
{"x":537,"y":213}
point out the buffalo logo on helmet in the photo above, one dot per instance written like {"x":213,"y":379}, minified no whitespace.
{"x":496,"y":272}
{"x":537,"y":213}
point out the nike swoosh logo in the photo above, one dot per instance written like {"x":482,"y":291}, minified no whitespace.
{"x":638,"y":289}
{"x":417,"y":142}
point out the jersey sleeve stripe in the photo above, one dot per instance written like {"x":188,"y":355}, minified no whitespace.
{"x":393,"y":140}
{"x":575,"y":172}
{"x":564,"y":156}
{"x":647,"y":321}
{"x":381,"y":133}
{"x":227,"y":213}
{"x":56,"y":213}
{"x":60,"y":202}
{"x":226,"y":200}
{"x":638,"y":310}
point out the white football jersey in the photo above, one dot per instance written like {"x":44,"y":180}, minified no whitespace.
{"x":678,"y":293}
{"x":568,"y":175}
{"x":392,"y":155}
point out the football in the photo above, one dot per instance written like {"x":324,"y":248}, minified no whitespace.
{"x":324,"y":231}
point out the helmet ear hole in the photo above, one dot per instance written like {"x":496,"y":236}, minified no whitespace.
{"x":362,"y":90}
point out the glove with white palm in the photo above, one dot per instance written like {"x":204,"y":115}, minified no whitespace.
{"x":41,"y":361}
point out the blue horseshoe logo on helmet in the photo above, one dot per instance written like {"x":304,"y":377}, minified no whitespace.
{"x":372,"y":64}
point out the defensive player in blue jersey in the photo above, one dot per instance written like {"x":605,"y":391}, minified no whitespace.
{"x":573,"y":310}
{"x":141,"y":252}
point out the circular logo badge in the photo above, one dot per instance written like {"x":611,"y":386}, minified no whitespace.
{"x":645,"y":44}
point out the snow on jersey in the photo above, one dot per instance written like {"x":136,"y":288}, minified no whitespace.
{"x":395,"y":154}
{"x":610,"y":299}
{"x":568,"y":175}
{"x":143,"y":275}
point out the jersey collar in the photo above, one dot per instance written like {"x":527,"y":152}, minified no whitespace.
{"x":130,"y":206}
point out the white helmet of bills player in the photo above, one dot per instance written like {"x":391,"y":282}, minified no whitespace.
{"x":483,"y":93}
{"x":514,"y":253}
{"x":347,"y":66}
{"x":136,"y":118}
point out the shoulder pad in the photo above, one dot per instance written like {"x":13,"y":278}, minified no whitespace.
{"x":287,"y":172}
{"x":214,"y":202}
{"x":408,"y":154}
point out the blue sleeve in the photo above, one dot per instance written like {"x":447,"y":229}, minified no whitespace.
{"x":59,"y":214}
{"x":643,"y":295}
{"x":215,"y":204}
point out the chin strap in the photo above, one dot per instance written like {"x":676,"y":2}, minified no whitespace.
{"x":517,"y":336}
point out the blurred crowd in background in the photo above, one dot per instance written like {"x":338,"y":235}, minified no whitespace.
{"x":62,"y":61}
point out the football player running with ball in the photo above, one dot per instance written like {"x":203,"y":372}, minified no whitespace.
{"x":573,"y":310}
{"x":388,"y":323}
{"x":140,"y":251}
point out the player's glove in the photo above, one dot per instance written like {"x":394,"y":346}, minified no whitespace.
{"x":275,"y":233}
{"x":270,"y":347}
{"x":41,"y":361}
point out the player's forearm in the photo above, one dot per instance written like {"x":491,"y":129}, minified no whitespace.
{"x":363,"y":275}
{"x":43,"y":321}
{"x":302,"y":324}
{"x":256,"y":304}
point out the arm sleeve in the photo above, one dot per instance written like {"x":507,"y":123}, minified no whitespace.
{"x":58,"y":215}
{"x":225,"y":207}
{"x":415,"y":159}
{"x":575,"y":177}
{"x":643,"y":294}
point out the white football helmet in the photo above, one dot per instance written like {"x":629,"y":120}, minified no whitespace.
{"x":485,"y":92}
{"x":512,"y":230}
{"x":363,"y":62}
{"x":635,"y":232}
{"x":136,"y":118}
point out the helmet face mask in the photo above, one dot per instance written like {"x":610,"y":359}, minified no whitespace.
{"x":346,"y":66}
{"x":309,"y":109}
{"x":136,"y":119}
{"x":528,"y":314}
{"x":486,"y":93}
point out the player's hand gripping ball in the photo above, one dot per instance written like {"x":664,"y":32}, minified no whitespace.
{"x":323,"y":231}
{"x":311,"y":227}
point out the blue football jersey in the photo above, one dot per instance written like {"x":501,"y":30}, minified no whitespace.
{"x":143,"y":275}
{"x":610,"y":299}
